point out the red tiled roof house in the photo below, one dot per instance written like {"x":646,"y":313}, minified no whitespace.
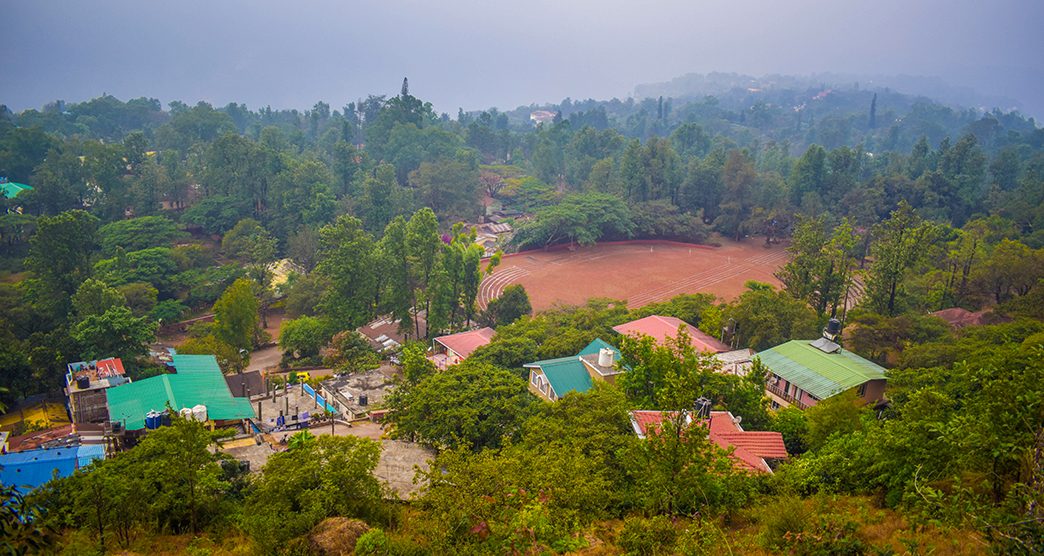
{"x":454,"y":348}
{"x":751,"y":451}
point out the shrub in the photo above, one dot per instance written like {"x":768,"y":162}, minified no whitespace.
{"x":648,"y":536}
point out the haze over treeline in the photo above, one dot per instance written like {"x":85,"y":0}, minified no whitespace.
{"x":477,"y":55}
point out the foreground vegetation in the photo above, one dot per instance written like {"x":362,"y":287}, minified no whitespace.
{"x":140,"y":217}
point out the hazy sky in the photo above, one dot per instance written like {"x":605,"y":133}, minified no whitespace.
{"x":477,"y":54}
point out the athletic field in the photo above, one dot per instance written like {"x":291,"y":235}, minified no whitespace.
{"x":640,"y":272}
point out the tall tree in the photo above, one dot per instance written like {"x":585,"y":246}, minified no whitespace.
{"x":902,"y":241}
{"x":347,"y":260}
{"x":60,"y":258}
{"x":423,"y":245}
{"x":236,"y":315}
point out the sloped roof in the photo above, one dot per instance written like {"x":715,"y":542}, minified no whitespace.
{"x":749,"y":448}
{"x":198,"y":381}
{"x":568,"y":374}
{"x":11,"y":189}
{"x":818,"y":373}
{"x":565,"y":374}
{"x":32,"y":468}
{"x":661,"y":328}
{"x":464,"y":343}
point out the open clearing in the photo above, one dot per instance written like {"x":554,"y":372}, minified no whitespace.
{"x":641,"y":272}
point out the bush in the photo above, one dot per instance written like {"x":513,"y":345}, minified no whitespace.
{"x":648,"y":536}
{"x":373,"y":543}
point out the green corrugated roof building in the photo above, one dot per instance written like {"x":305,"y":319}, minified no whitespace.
{"x":820,"y":372}
{"x":570,"y":374}
{"x":11,"y":189}
{"x":198,"y":381}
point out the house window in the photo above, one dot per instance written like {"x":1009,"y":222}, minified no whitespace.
{"x":862,"y":390}
{"x":533,"y":377}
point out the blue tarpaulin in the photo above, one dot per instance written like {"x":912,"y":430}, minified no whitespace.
{"x":32,"y":468}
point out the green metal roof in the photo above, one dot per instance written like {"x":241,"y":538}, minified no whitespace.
{"x":598,"y":344}
{"x":819,"y":373}
{"x":12,"y":189}
{"x":198,"y":381}
{"x":568,"y":374}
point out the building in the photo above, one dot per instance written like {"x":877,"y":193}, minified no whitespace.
{"x":198,"y":382}
{"x":541,"y":117}
{"x":11,"y":189}
{"x":85,"y":385}
{"x":661,"y":328}
{"x":250,"y":385}
{"x":752,"y":451}
{"x":551,"y":379}
{"x":356,"y":395}
{"x":385,"y":334}
{"x":450,"y":350}
{"x":32,"y":468}
{"x":804,"y":372}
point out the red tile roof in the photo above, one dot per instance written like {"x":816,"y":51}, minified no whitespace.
{"x":660,"y":328}
{"x":749,"y":448}
{"x":463,"y":343}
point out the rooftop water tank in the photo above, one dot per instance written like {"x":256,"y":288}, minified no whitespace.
{"x":605,"y":357}
{"x":199,"y":413}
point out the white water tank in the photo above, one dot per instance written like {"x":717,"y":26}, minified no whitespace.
{"x":199,"y":413}
{"x":186,"y":412}
{"x":605,"y":357}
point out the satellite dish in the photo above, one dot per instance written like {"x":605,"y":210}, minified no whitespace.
{"x":739,"y":419}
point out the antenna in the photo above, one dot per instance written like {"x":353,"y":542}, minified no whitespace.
{"x":702,"y":408}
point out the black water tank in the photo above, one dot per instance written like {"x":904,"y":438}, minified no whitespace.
{"x":363,"y":399}
{"x":83,"y":382}
{"x":833,"y":327}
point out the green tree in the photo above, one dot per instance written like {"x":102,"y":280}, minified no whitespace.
{"x":840,"y":414}
{"x":236,"y":315}
{"x":902,"y":242}
{"x":249,"y":242}
{"x":512,"y":305}
{"x":304,"y":336}
{"x":229,"y":358}
{"x":330,"y":476}
{"x":351,"y":352}
{"x":471,"y":406}
{"x":138,"y":233}
{"x":347,"y":262}
{"x":423,"y":246}
{"x":765,"y":317}
{"x":95,"y":298}
{"x":820,"y":271}
{"x":141,"y":297}
{"x":114,"y":333}
{"x":59,"y":258}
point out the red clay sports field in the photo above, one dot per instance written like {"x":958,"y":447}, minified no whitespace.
{"x":640,"y":272}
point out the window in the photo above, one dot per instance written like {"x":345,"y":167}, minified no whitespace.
{"x":862,"y":390}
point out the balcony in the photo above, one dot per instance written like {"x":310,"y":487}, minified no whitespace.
{"x":778,"y":392}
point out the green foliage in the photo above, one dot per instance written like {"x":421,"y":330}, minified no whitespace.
{"x":901,"y":244}
{"x":328,"y":476}
{"x":141,"y":297}
{"x":470,"y":406}
{"x":60,"y":256}
{"x":347,"y":262}
{"x":766,"y":318}
{"x":304,"y":336}
{"x":155,"y":266}
{"x":21,"y":531}
{"x":512,"y":304}
{"x":215,"y":214}
{"x":840,"y":414}
{"x":235,"y":315}
{"x":171,"y":480}
{"x":114,"y":333}
{"x":415,"y":363}
{"x":94,"y":298}
{"x":138,"y":233}
{"x":249,"y":243}
{"x":351,"y":352}
{"x":653,"y":536}
{"x":582,"y":219}
{"x":168,"y":311}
